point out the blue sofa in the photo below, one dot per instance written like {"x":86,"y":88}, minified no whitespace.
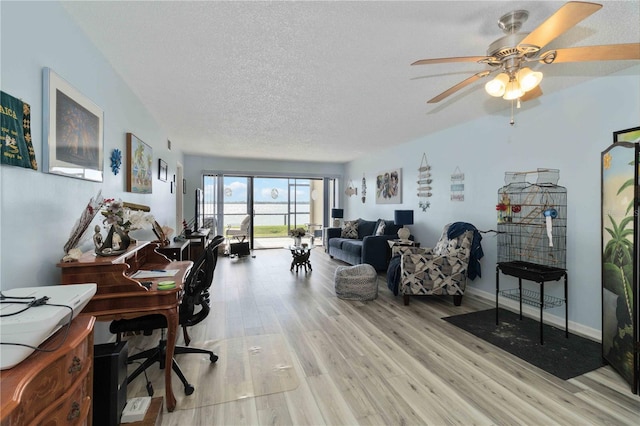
{"x":367,"y":248}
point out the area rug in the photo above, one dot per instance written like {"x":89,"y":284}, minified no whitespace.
{"x":247,"y":367}
{"x":563,"y":357}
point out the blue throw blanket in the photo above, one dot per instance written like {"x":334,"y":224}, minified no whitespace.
{"x":459,"y":228}
{"x":393,"y":274}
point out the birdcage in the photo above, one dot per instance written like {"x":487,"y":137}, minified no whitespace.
{"x":532,"y":219}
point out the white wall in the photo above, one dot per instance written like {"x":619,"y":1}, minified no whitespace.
{"x":566,"y":131}
{"x":37,"y":209}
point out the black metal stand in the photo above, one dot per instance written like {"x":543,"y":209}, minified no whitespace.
{"x":538,"y":274}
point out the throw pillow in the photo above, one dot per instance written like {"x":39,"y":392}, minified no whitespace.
{"x":441,"y":247}
{"x":350,"y":230}
{"x":380,"y":227}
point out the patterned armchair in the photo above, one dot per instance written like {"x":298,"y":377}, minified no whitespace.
{"x":438,"y":271}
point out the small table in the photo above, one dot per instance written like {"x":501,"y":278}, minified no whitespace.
{"x":199,"y":241}
{"x":397,"y":244}
{"x":300,"y":257}
{"x":177,"y":250}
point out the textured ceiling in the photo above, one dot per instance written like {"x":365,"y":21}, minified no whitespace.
{"x":321,"y":81}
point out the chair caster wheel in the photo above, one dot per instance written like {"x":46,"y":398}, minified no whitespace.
{"x":213,"y":358}
{"x":188,"y":389}
{"x":149,"y":389}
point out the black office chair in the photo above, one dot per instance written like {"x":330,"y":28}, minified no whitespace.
{"x":193,"y":309}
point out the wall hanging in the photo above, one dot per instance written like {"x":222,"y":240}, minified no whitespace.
{"x":162,"y":170}
{"x":364,"y":189}
{"x":16,"y":146}
{"x":389,"y":187}
{"x":116,"y":161}
{"x":620,"y":271}
{"x":351,"y":189}
{"x":457,"y":185}
{"x":139,"y":165}
{"x":424,"y":184}
{"x":73,"y":126}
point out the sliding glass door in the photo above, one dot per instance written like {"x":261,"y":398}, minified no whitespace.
{"x":275,"y":204}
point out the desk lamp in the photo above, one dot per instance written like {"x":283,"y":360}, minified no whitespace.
{"x":403,"y":217}
{"x":337,"y":214}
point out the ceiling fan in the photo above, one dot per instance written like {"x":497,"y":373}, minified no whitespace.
{"x":510,"y":53}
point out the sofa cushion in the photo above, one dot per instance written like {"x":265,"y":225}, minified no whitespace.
{"x":391,"y":228}
{"x":337,"y":242}
{"x":366,"y":228}
{"x":350,"y":229}
{"x":380,"y":225}
{"x":352,"y":247}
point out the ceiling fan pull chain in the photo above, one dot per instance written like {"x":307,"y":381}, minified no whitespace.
{"x":512,"y":121}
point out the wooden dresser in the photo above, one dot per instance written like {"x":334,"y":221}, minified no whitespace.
{"x":52,"y":388}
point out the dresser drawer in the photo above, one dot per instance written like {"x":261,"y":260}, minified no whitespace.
{"x":54,"y":380}
{"x":46,"y":381}
{"x":69,"y":410}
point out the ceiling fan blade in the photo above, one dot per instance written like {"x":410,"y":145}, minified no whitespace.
{"x":531,"y":94}
{"x":565,"y":18}
{"x":454,"y":59}
{"x":611,"y":52}
{"x":459,"y":86}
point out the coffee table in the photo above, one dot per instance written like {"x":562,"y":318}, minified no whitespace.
{"x":300,"y":257}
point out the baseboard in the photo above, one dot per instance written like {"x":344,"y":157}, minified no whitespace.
{"x":531,"y":312}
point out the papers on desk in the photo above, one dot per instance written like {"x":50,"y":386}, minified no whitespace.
{"x":155,"y":273}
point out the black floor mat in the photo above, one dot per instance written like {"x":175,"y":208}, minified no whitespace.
{"x":563,"y":357}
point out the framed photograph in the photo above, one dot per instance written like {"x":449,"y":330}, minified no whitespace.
{"x":139,"y":165}
{"x":389,"y":187}
{"x":162,"y":170}
{"x":74,"y":130}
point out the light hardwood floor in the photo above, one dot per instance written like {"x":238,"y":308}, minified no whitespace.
{"x":380,"y":362}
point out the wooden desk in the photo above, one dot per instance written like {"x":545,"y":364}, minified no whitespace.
{"x":53,"y":387}
{"x":120,"y":297}
{"x":177,"y":250}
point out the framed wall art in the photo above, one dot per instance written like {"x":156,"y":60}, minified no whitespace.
{"x":139,"y":165}
{"x":74,"y":128}
{"x":389,"y":187}
{"x":162,"y":170}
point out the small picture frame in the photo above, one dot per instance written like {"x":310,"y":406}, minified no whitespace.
{"x":162,"y":170}
{"x":139,"y":165}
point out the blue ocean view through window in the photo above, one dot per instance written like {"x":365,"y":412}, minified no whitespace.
{"x":266,"y":213}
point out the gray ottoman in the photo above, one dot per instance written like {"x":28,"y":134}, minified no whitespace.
{"x":359,"y":282}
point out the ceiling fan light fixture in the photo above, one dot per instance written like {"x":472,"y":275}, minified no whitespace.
{"x":513,"y":90}
{"x":528,"y":79}
{"x":497,"y":86}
